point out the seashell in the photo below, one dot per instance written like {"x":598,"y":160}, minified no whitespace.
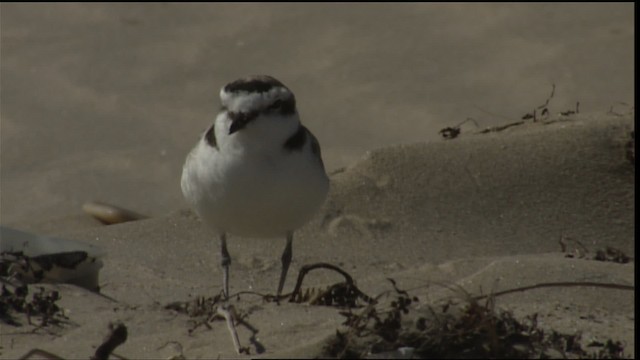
{"x":110,"y":214}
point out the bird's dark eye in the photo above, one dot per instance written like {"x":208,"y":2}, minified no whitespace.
{"x":276,"y":105}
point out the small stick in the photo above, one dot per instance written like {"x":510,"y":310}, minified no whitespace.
{"x":500,"y":128}
{"x":307,"y":268}
{"x":558,"y":284}
{"x":228,"y":312}
{"x":546,"y":103}
{"x":116,"y":338}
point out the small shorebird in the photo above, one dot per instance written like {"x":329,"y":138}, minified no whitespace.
{"x":256,"y":171}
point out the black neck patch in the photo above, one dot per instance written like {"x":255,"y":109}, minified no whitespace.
{"x":210,"y":137}
{"x":283,"y":106}
{"x":253,"y":84}
{"x":296,"y":141}
{"x":239,"y":120}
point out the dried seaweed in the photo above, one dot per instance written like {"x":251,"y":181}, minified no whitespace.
{"x":465,"y":328}
{"x":42,"y":305}
{"x":609,"y":253}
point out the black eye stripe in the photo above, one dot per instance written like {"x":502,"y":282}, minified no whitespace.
{"x":283,"y":106}
{"x":277,"y":104}
{"x":243,"y":117}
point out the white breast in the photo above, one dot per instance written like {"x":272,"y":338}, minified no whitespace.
{"x":254,"y":192}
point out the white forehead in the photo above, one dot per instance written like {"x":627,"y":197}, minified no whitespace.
{"x":247,"y":101}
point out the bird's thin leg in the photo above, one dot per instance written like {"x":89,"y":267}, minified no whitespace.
{"x":286,"y":261}
{"x":225,"y":261}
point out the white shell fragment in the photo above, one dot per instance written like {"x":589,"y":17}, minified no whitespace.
{"x":36,"y":258}
{"x":110,"y":214}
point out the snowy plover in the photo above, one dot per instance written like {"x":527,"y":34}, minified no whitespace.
{"x":256,"y":171}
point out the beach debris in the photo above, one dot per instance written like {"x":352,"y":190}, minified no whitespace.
{"x":612,"y":254}
{"x":204,"y":310}
{"x":117,"y":336}
{"x":579,"y":250}
{"x":458,"y":327}
{"x":43,"y":305}
{"x":35,"y":258}
{"x":450,"y":132}
{"x":571,"y":112}
{"x":528,"y":116}
{"x":544,"y":107}
{"x":609,"y":253}
{"x":453,"y":131}
{"x":499,"y":127}
{"x":609,"y":349}
{"x":564,"y":284}
{"x":343,"y":294}
{"x":110,"y":214}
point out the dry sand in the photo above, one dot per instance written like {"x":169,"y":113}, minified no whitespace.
{"x":482,"y":211}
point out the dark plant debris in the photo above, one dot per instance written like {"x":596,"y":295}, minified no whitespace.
{"x":500,"y":127}
{"x":609,"y":253}
{"x":612,"y":254}
{"x":32,"y":269}
{"x":544,"y":107}
{"x":454,"y":131}
{"x":117,"y":336}
{"x":203,"y":310}
{"x":343,"y":294}
{"x":539,"y":113}
{"x":466,"y":328}
{"x":42,"y":305}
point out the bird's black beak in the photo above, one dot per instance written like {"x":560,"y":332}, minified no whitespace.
{"x":239,"y":120}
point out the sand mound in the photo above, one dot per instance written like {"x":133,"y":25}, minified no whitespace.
{"x":485,"y":212}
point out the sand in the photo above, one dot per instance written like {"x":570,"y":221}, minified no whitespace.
{"x":483,"y":211}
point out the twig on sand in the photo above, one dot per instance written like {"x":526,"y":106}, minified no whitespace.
{"x":557,"y":284}
{"x":453,"y":131}
{"x":571,"y":112}
{"x":546,"y":103}
{"x":499,"y":128}
{"x":544,"y":107}
{"x":341,"y":294}
{"x":117,"y":336}
{"x":229,"y":314}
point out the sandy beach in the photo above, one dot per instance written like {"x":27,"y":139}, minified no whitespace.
{"x":102,"y":102}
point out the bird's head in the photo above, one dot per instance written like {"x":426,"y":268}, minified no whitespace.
{"x":259,"y":101}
